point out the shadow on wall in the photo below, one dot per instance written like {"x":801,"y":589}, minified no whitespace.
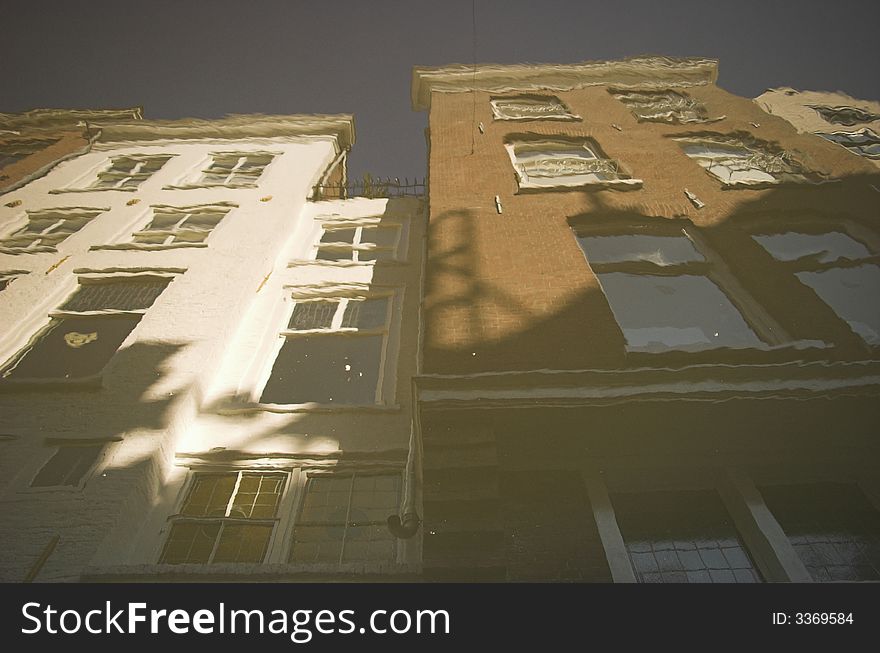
{"x":478,"y":324}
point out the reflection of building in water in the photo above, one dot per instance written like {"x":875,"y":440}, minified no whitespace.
{"x":651,"y":321}
{"x":203,"y":373}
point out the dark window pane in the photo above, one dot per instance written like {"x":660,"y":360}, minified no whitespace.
{"x":366,"y":313}
{"x":832,"y":527}
{"x":121,"y":295}
{"x":659,"y":250}
{"x":67,"y":466}
{"x":380,"y":236}
{"x":313,"y":315}
{"x":243,"y":543}
{"x":317,"y":543}
{"x":338,"y":236}
{"x":334,"y":254}
{"x":682,"y":537}
{"x":190,"y":542}
{"x":258,"y":496}
{"x":326,"y":369}
{"x":73,"y":348}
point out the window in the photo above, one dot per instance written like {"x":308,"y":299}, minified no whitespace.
{"x":235,"y":169}
{"x":226,"y":517}
{"x":742,"y":160}
{"x":832,"y":528}
{"x":840,"y":270}
{"x":660,"y":291}
{"x":682,"y":537}
{"x":530,"y":107}
{"x":85,"y":332}
{"x":864,"y":142}
{"x":548,"y":163}
{"x":128,"y":172}
{"x":673,"y":107}
{"x":846,"y":116}
{"x":180,"y":226}
{"x":332,"y":352}
{"x":359,"y":244}
{"x":69,"y":465}
{"x":343,"y":519}
{"x":7,"y":278}
{"x":46,"y":229}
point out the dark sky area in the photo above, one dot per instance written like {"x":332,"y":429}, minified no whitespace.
{"x":207,"y":59}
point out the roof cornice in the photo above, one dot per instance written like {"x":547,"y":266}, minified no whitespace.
{"x":497,"y":78}
{"x":54,"y":119}
{"x":340,"y":127}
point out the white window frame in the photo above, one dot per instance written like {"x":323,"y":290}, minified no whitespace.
{"x":853,"y":148}
{"x":563,"y":151}
{"x":554,"y":108}
{"x":185,"y":212}
{"x":385,"y":380}
{"x":286,"y":518}
{"x":356,"y":246}
{"x":663,"y":107}
{"x":200,"y":182}
{"x":755,"y":158}
{"x":62,"y":215}
{"x":20,"y":352}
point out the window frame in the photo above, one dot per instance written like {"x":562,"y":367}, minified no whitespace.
{"x":397,"y":255}
{"x":385,"y":379}
{"x":766,"y":330}
{"x":695,"y":105}
{"x":560,"y":111}
{"x":516,"y":144}
{"x":20,"y":353}
{"x":197,"y":178}
{"x":61,"y":215}
{"x":290,"y":504}
{"x":88,"y":474}
{"x":866,"y":131}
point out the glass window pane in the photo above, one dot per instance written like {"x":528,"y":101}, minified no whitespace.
{"x":67,"y":466}
{"x":164,"y":221}
{"x":126,"y":295}
{"x":203,"y":220}
{"x":73,"y":348}
{"x":682,"y":537}
{"x":326,"y":500}
{"x":334,"y":254}
{"x":326,"y":369}
{"x":313,"y":315}
{"x":380,"y":236}
{"x":854,"y":294}
{"x":209,"y":495}
{"x":190,"y":542}
{"x":821,"y":248}
{"x":338,"y":236}
{"x":369,"y":543}
{"x":317,"y":544}
{"x":156,"y":239}
{"x":258,"y":496}
{"x":374,"y":498}
{"x":366,"y":313}
{"x":660,"y":250}
{"x":687,"y":312}
{"x":243,"y":543}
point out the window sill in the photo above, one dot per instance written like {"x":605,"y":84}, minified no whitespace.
{"x":309,"y":408}
{"x":147,"y":248}
{"x":90,"y":383}
{"x":61,"y":191}
{"x":566,"y":117}
{"x":197,"y":186}
{"x":344,"y":264}
{"x":614,"y":184}
{"x":250,"y":571}
{"x":42,"y":249}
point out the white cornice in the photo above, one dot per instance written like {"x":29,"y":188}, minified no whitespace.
{"x":495,"y":78}
{"x":340,"y":127}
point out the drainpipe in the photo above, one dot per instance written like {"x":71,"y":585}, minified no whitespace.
{"x":405,"y":525}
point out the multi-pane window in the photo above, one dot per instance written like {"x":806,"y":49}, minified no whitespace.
{"x":237,"y":169}
{"x":226,"y":517}
{"x":332,"y":353}
{"x":863,"y":142}
{"x":660,"y":290}
{"x":375,"y":242}
{"x":45,"y":229}
{"x":743,"y":160}
{"x":842,"y":271}
{"x":85,"y":332}
{"x":682,"y":537}
{"x":172,"y":226}
{"x":68,"y":465}
{"x":668,"y":106}
{"x":343,"y":519}
{"x":558,"y":163}
{"x":846,"y":116}
{"x":530,"y":107}
{"x":129,"y":171}
{"x":832,"y":527}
